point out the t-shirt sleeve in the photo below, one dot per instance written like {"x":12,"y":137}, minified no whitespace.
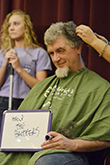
{"x":43,"y":62}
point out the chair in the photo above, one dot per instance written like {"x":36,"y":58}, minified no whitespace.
{"x":98,"y":157}
{"x":107,"y":161}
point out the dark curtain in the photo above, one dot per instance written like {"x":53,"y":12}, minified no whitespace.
{"x":94,"y":13}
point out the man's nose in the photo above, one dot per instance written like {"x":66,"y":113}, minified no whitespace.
{"x":56,"y":57}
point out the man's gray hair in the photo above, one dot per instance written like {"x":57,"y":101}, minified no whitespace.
{"x":62,"y":29}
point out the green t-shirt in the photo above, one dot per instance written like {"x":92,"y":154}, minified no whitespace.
{"x":82,"y":100}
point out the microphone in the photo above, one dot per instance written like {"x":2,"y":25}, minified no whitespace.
{"x":11,"y":87}
{"x":11,"y":70}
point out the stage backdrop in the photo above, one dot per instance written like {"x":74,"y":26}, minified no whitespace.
{"x":95,"y":13}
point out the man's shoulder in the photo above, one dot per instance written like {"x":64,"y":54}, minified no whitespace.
{"x":46,"y":80}
{"x":96,"y":77}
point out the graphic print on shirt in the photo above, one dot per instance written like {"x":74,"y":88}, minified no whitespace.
{"x":58,"y":93}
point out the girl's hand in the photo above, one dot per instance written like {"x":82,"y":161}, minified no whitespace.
{"x":86,"y":34}
{"x":12,"y":58}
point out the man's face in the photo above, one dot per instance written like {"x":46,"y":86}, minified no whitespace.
{"x":63,"y":56}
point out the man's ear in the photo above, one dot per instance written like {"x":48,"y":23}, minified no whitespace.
{"x":79,"y":48}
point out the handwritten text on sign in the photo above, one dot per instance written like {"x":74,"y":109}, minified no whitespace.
{"x":21,"y":131}
{"x":25,"y":130}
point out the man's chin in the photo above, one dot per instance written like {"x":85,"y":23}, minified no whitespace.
{"x":62,"y":72}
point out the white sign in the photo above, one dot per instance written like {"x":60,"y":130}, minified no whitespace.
{"x":24,"y":130}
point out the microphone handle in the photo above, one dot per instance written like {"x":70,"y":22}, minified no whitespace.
{"x":11,"y":70}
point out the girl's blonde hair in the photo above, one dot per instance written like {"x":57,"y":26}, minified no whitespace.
{"x":30,"y":39}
